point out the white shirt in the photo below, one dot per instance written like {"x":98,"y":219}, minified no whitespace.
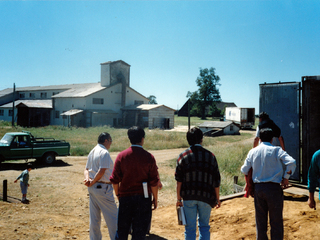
{"x":266,"y":161}
{"x":99,"y":157}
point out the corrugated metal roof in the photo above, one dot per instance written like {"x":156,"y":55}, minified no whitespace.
{"x":69,"y":90}
{"x":215,"y":124}
{"x":64,"y":87}
{"x":145,"y":107}
{"x":9,"y":105}
{"x":71,"y":112}
{"x":76,"y":111}
{"x":30,"y":103}
{"x":35,"y":103}
{"x":82,"y":90}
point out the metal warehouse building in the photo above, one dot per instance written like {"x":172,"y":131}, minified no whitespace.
{"x":109,"y":102}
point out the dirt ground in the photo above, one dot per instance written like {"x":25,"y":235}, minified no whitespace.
{"x":58,"y":207}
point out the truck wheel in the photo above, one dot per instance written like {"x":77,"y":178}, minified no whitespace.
{"x":49,"y":158}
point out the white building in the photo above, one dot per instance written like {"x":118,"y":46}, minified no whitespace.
{"x":84,"y":105}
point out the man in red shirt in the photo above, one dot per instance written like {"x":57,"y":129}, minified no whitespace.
{"x":133,"y":168}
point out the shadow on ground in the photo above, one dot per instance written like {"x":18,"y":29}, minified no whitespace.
{"x":154,"y":237}
{"x":296,"y":198}
{"x":4,"y":166}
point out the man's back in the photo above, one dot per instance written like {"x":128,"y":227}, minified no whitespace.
{"x":266,"y":161}
{"x":197,"y":169}
{"x":134,"y":166}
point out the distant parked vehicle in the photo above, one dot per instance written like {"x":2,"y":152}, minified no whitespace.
{"x":22,"y":145}
{"x":245,"y":117}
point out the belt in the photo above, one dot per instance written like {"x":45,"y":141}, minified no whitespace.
{"x":267,"y":183}
{"x":103,"y":182}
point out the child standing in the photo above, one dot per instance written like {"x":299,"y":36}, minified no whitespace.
{"x":24,"y":179}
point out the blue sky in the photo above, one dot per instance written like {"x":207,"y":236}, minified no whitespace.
{"x":165,"y":42}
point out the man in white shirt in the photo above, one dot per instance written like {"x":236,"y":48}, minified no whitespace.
{"x":269,"y":178}
{"x":96,"y":177}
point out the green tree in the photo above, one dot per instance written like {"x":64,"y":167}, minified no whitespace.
{"x":152,"y":99}
{"x":207,"y":94}
{"x":214,"y":111}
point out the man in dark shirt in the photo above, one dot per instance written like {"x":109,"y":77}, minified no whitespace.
{"x":198,"y":183}
{"x":266,"y":122}
{"x":135,"y":181}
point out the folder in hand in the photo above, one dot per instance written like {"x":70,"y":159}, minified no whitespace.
{"x":181,"y":216}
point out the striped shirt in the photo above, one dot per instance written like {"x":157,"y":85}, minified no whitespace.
{"x":198,"y":170}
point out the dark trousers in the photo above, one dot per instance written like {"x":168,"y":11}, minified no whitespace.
{"x":268,"y":198}
{"x":133,"y":211}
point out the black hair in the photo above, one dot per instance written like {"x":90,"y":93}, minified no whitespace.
{"x":264,"y":116}
{"x":103,"y":136}
{"x":266,"y":134}
{"x":135,"y":134}
{"x":194,"y":136}
{"x":29,"y":165}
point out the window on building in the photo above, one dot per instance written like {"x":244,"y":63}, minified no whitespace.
{"x":43,"y":95}
{"x":10,"y":113}
{"x":32,"y":95}
{"x":1,"y":112}
{"x":97,"y":101}
{"x":55,"y":93}
{"x":231,"y":127}
{"x":57,"y":114}
{"x":22,"y":95}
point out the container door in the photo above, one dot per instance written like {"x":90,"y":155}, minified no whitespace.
{"x":310,"y":118}
{"x":281,"y":102}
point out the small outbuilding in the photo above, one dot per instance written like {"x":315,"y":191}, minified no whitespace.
{"x":148,"y":115}
{"x":34,"y":113}
{"x":216,"y":128}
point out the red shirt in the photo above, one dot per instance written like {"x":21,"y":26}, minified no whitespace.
{"x":132,"y":167}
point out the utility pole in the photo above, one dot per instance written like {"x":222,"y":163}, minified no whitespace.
{"x":189,"y":114}
{"x":14,"y":98}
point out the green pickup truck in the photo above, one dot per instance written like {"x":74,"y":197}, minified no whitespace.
{"x":22,"y":145}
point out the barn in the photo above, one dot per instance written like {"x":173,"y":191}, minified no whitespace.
{"x":183,"y":111}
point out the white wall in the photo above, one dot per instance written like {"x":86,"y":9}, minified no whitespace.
{"x":157,"y":116}
{"x":111,"y":99}
{"x":228,"y":130}
{"x":102,"y":119}
{"x":64,"y":105}
{"x":6,"y":116}
{"x":133,"y":96}
{"x":38,"y":94}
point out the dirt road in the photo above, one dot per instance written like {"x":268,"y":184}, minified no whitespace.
{"x":59,"y":209}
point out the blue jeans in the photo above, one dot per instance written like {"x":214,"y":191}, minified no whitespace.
{"x":194,"y":210}
{"x":268,"y":198}
{"x":134,"y":211}
{"x":23,"y":187}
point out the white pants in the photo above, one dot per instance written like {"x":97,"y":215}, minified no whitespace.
{"x":102,"y":200}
